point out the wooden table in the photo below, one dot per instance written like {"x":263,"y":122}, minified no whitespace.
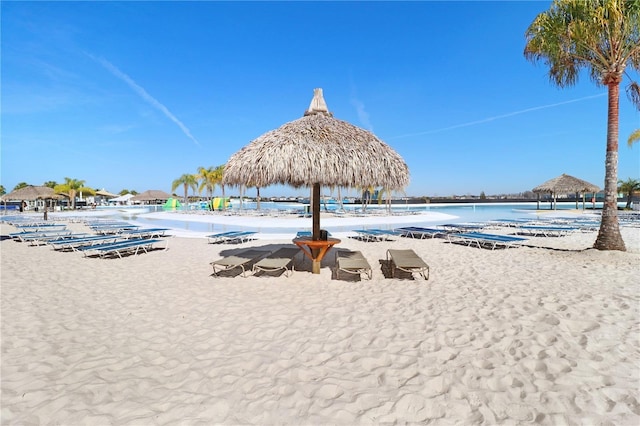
{"x":315,"y":249}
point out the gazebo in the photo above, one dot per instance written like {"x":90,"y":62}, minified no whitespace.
{"x":32,"y":193}
{"x":152,"y":196}
{"x":565,"y":184}
{"x":316,"y":150}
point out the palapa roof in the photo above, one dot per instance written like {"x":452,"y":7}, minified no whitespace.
{"x":151,"y":195}
{"x":565,"y":184}
{"x":317,"y":148}
{"x":30,"y":193}
{"x":104,"y":193}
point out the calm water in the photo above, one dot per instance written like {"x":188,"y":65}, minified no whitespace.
{"x":459,"y":212}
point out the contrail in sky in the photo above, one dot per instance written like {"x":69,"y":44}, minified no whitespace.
{"x":363,"y":115}
{"x":497,"y":117}
{"x":144,"y":95}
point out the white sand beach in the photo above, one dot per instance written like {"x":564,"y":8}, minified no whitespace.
{"x":547,"y":333}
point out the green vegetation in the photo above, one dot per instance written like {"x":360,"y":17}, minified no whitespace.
{"x":628,"y":187}
{"x":602,"y":37}
{"x":72,"y":187}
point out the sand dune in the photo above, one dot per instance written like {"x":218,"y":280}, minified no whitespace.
{"x":526,"y":335}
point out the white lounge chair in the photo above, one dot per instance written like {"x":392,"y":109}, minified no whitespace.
{"x":278,"y":260}
{"x":408,"y":261}
{"x":352,"y":262}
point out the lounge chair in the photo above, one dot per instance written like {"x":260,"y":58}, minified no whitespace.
{"x":407,"y":261}
{"x":486,"y":240}
{"x":131,"y":246}
{"x":113,"y":229}
{"x":144,"y":233}
{"x":419,"y":232}
{"x":278,"y":260}
{"x":463,"y":227}
{"x":352,"y":262}
{"x":307,"y":234}
{"x":230,"y":237}
{"x":74,"y":243}
{"x":40,"y":227}
{"x":30,"y":236}
{"x":545,"y":231}
{"x":373,"y":234}
{"x":36,"y":240}
{"x":240,"y":260}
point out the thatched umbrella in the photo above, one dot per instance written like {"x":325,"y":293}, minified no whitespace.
{"x":316,"y":150}
{"x":152,"y":195}
{"x":565,"y":184}
{"x":29,"y":193}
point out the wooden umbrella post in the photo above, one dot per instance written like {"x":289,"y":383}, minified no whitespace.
{"x":315,"y":235}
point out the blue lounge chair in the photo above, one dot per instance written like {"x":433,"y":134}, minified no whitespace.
{"x":131,"y":246}
{"x":419,"y":232}
{"x":230,"y":237}
{"x":485,"y":240}
{"x":307,"y":234}
{"x":74,"y":243}
{"x":30,"y":236}
{"x":546,"y":231}
{"x":144,"y":232}
{"x":373,"y":234}
{"x":463,"y":227}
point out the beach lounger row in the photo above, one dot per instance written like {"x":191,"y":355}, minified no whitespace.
{"x":351,"y":262}
{"x":481,"y":239}
{"x":230,"y":237}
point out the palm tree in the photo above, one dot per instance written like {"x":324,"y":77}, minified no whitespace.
{"x":634,"y":137}
{"x":603,"y":37}
{"x":208,"y":180}
{"x":20,"y":185}
{"x":218,"y":173}
{"x":187,"y":181}
{"x":50,"y":184}
{"x":628,"y":187}
{"x":71,"y":187}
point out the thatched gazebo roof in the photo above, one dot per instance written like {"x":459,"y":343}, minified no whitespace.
{"x":317,"y":149}
{"x":30,"y":193}
{"x":151,"y":195}
{"x":565,"y":184}
{"x":106,"y":194}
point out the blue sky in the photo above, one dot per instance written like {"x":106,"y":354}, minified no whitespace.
{"x":131,"y":95}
